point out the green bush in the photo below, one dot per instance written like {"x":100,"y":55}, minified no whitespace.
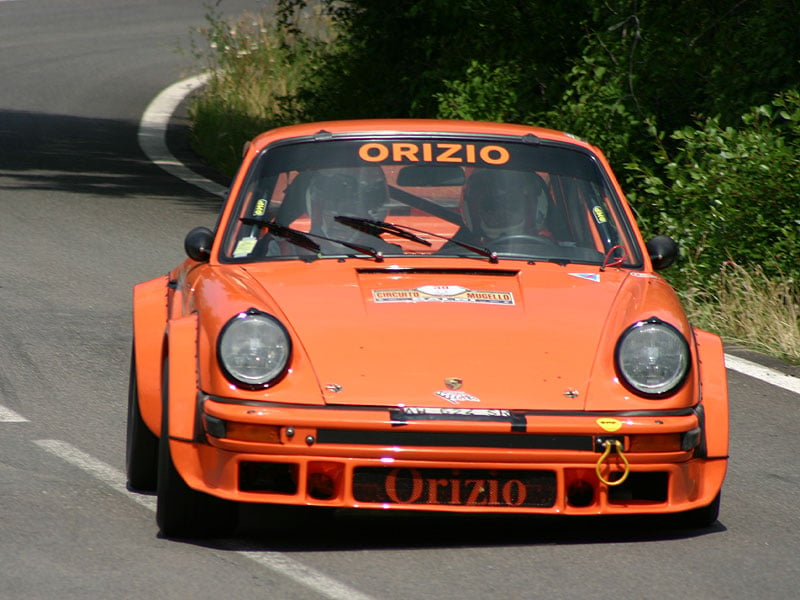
{"x":485,"y":94}
{"x":419,"y":57}
{"x":731,"y":194}
{"x":599,"y":106}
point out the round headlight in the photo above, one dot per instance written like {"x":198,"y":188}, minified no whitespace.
{"x":253,"y":350}
{"x":652,"y":358}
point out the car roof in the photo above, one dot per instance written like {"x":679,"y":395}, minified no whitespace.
{"x":414,"y":126}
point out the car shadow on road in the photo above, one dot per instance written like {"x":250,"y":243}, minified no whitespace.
{"x":295,"y":529}
{"x":93,"y":156}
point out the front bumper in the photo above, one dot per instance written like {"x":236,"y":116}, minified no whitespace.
{"x":450,"y":460}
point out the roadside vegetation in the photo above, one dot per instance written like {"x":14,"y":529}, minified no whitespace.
{"x":696,"y":105}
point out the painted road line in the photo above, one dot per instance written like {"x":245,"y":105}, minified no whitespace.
{"x":762,"y":373}
{"x":330,"y":588}
{"x":9,"y":416}
{"x":96,"y":468}
{"x":325,"y":586}
{"x":153,"y":133}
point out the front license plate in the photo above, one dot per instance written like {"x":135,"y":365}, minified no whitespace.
{"x":455,"y":487}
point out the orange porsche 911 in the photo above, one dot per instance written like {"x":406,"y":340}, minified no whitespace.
{"x":425,"y":316}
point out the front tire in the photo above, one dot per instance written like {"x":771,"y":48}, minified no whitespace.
{"x":141,"y":447}
{"x":703,"y":517}
{"x":182,"y":512}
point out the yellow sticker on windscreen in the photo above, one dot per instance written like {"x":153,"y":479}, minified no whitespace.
{"x":260,"y":209}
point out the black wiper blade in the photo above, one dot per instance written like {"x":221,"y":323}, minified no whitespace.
{"x":303,"y":239}
{"x":376,"y":228}
{"x":376,"y":254}
{"x":298,"y":238}
{"x":490,"y":254}
{"x":404,"y":231}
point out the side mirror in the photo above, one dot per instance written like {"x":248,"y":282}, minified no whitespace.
{"x":198,"y":243}
{"x":663,"y":251}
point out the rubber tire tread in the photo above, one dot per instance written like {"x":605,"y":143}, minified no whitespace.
{"x":141,"y":447}
{"x":703,"y":517}
{"x":182,"y":512}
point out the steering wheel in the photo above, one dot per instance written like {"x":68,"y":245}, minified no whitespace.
{"x":518,"y":242}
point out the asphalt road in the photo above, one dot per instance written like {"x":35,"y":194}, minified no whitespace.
{"x":84,"y":215}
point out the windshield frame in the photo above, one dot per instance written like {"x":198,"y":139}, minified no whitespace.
{"x":622,"y":218}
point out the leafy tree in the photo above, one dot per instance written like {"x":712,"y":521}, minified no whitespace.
{"x":674,"y":60}
{"x":394,"y":59}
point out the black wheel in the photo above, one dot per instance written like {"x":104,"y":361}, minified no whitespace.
{"x":182,"y":512}
{"x":141,"y":448}
{"x":702,"y":517}
{"x":519,"y":244}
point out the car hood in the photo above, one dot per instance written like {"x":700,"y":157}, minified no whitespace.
{"x":486,"y":337}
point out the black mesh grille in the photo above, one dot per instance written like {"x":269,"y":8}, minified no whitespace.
{"x":455,"y":487}
{"x":275,"y":478}
{"x":644,"y":487}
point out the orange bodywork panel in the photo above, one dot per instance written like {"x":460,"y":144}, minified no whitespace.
{"x":182,"y":378}
{"x":711,"y":362}
{"x":150,"y":300}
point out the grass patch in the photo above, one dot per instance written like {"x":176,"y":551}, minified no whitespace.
{"x":257,"y":65}
{"x":749,"y":308}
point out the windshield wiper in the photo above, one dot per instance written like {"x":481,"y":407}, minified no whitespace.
{"x":376,"y":228}
{"x":304,"y":239}
{"x":404,"y":231}
{"x":298,"y":238}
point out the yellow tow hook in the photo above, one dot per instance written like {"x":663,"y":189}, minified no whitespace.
{"x":609,"y":446}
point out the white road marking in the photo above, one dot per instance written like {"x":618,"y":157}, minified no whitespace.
{"x":275,"y":561}
{"x":153,"y":129}
{"x":762,"y":373}
{"x":330,"y":588}
{"x":96,"y":468}
{"x":9,"y":416}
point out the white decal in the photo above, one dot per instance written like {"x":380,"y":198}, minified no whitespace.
{"x":466,"y":412}
{"x":442,"y":290}
{"x":244,"y":246}
{"x":455,"y":396}
{"x":442,"y":293}
{"x":587,"y":276}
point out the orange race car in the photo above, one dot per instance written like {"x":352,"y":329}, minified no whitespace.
{"x":423,"y":315}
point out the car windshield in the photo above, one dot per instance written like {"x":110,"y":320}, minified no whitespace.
{"x":477,"y":198}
